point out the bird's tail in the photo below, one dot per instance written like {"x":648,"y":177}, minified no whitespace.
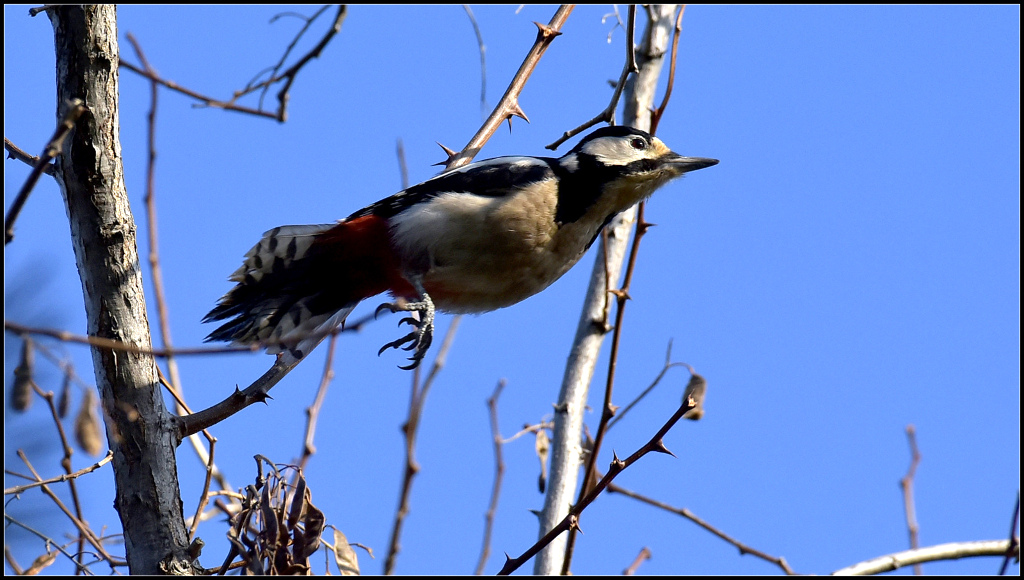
{"x":294,"y":287}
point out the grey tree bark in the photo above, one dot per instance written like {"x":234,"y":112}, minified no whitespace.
{"x":90,"y":174}
{"x":566,"y":450}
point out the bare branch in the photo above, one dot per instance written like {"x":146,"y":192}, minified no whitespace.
{"x":1014,"y":539}
{"x":18,"y":154}
{"x":483,"y":58}
{"x":693,"y":401}
{"x":743,"y":548}
{"x":951,"y":551}
{"x":410,"y":430}
{"x":49,"y":542}
{"x":656,"y":115}
{"x":61,"y":478}
{"x":907,"y":485}
{"x":313,"y":411}
{"x":76,"y":108}
{"x":644,"y":555}
{"x":508,"y":106}
{"x":288,"y":76}
{"x":499,"y":474}
{"x":83,"y":528}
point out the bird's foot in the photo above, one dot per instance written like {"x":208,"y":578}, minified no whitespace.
{"x":422,"y":335}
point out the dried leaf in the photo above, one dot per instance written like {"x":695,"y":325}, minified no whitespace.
{"x":541,"y":445}
{"x":64,"y":402}
{"x":344,"y":555}
{"x":21,"y":392}
{"x":87,"y":426}
{"x":298,"y":502}
{"x":41,"y":562}
{"x":313,"y":523}
{"x":270,"y":527}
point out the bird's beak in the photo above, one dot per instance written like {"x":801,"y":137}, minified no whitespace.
{"x":686,"y":164}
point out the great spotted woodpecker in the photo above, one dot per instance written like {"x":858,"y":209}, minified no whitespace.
{"x":479,"y":238}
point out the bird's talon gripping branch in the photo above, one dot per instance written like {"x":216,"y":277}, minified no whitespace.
{"x":481,"y":237}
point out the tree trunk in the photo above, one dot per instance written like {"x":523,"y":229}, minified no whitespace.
{"x":91,"y":179}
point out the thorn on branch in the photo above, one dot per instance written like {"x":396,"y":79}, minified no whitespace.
{"x":545,"y":32}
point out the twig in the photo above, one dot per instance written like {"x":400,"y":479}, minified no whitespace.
{"x":49,"y":542}
{"x":608,"y":114}
{"x":66,"y":336}
{"x":743,"y":548}
{"x":529,"y":429}
{"x":18,"y":154}
{"x":207,"y":101}
{"x":410,"y":430}
{"x":693,"y":401}
{"x":1014,"y":539}
{"x":288,"y":76}
{"x":313,"y":411}
{"x":951,"y":551}
{"x":664,"y":370}
{"x":907,"y":485}
{"x":483,"y":58}
{"x":83,"y":528}
{"x":61,"y":478}
{"x":644,"y":555}
{"x":76,"y":109}
{"x":291,"y":73}
{"x":656,"y":115}
{"x":273,"y":71}
{"x":65,"y":461}
{"x":508,"y":106}
{"x":204,"y":497}
{"x":499,"y":474}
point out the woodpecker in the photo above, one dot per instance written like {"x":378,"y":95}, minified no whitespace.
{"x":475,"y":239}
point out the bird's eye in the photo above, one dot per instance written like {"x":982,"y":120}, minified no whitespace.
{"x":638,"y":143}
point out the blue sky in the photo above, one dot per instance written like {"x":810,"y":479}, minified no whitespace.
{"x":851,"y":267}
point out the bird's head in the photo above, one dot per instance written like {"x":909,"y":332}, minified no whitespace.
{"x":629,"y":164}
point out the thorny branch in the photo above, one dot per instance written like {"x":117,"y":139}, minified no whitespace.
{"x":693,"y":401}
{"x":76,"y":109}
{"x":508,"y":106}
{"x":621,"y":296}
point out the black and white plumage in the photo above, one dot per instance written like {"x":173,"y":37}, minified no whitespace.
{"x":478,"y":238}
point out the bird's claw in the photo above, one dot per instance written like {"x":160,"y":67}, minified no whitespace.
{"x":417,"y":341}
